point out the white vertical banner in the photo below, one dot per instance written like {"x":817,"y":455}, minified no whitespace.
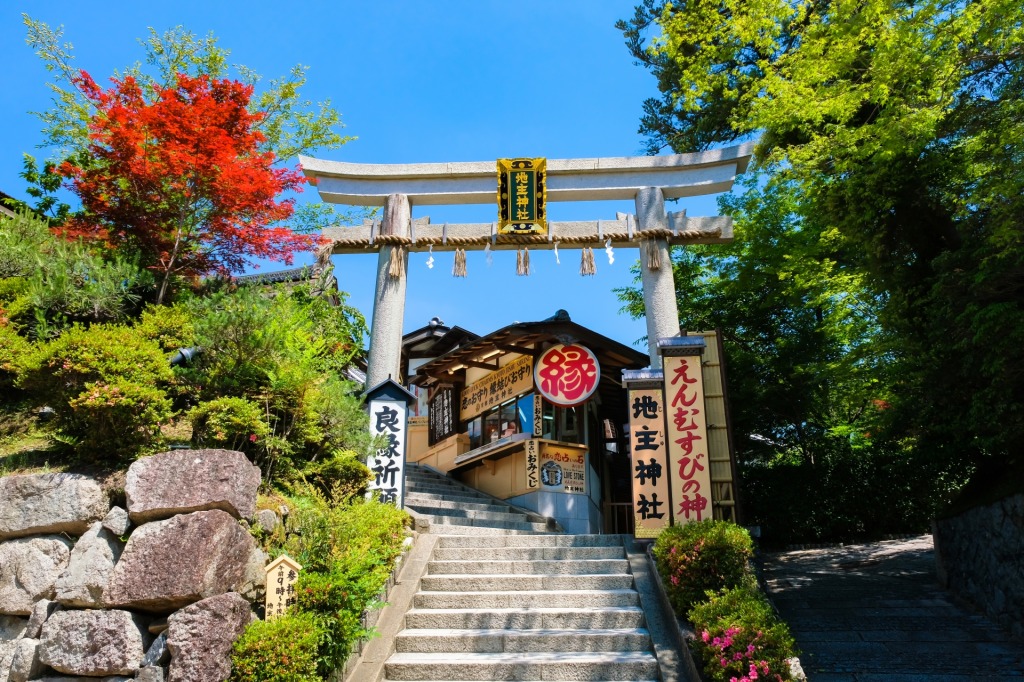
{"x":388,"y":419}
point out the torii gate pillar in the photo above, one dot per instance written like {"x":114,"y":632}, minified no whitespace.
{"x":385,"y":358}
{"x":658,"y":285}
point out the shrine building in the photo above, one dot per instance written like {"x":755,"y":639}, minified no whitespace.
{"x":533,"y":414}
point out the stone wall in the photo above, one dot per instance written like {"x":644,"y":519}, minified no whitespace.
{"x":980,"y":558}
{"x":158,"y":591}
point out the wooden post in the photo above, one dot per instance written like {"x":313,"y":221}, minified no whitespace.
{"x":385,"y":357}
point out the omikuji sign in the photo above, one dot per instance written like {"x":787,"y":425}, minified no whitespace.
{"x":522,"y":196}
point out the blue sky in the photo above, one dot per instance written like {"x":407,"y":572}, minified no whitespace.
{"x":415,"y":82}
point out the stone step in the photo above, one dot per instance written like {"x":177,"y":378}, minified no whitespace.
{"x":454,"y":531}
{"x":437,"y":503}
{"x":504,"y":515}
{"x":431,"y":498}
{"x":508,"y":640}
{"x":442,"y":488}
{"x":493,"y":582}
{"x":525,"y":599}
{"x":487,"y":523}
{"x":523,"y":618}
{"x":627,"y":665}
{"x":550,"y":540}
{"x":542,"y":567}
{"x":527,"y":553}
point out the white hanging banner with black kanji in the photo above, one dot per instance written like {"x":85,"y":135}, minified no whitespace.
{"x":388,"y":419}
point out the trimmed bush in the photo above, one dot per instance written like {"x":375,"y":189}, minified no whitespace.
{"x":700,"y":557}
{"x":122,"y":416}
{"x":229,"y":423}
{"x":279,"y":650}
{"x":12,"y":349}
{"x":740,"y":638}
{"x":99,"y":381}
{"x":170,"y":326}
{"x":341,"y":476}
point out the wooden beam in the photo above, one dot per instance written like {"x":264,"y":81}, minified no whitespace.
{"x":623,"y":233}
{"x":522,"y":350}
{"x":481,"y":365}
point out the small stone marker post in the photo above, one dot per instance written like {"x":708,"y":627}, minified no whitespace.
{"x":282,"y":574}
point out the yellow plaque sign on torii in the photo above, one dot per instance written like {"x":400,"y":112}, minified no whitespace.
{"x":522,"y":196}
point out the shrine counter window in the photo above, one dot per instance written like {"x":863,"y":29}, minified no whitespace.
{"x":507,"y":419}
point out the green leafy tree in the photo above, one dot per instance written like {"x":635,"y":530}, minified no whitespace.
{"x":282,"y":353}
{"x":898,"y":127}
{"x":47,"y":283}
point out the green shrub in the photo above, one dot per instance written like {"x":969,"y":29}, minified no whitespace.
{"x":697,"y":557}
{"x":272,"y":350}
{"x":336,"y":605}
{"x":12,"y":349}
{"x":740,"y":637}
{"x":340,"y":476}
{"x":101,"y":380}
{"x":347,"y":552}
{"x":170,"y":326}
{"x":121,"y":415}
{"x":229,"y":423}
{"x":280,"y":650}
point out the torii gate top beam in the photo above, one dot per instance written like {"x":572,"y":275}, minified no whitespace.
{"x":678,"y":175}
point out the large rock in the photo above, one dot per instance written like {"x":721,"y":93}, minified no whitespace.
{"x":25,"y":663}
{"x":117,"y":521}
{"x":170,"y":564}
{"x":182,"y":481}
{"x":37,"y":504}
{"x":41,"y":610}
{"x":268,"y":520}
{"x":254,"y":581}
{"x":200,"y":638}
{"x":12,"y":627}
{"x":7,"y":650}
{"x":28,"y":569}
{"x":89,"y":570}
{"x":110,"y":678}
{"x":92,"y":642}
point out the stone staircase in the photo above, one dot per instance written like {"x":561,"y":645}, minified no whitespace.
{"x":461,"y":510}
{"x":500,"y":600}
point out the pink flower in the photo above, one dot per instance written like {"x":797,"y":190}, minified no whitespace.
{"x":252,"y":437}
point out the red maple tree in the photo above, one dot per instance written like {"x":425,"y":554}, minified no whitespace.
{"x":179,"y":176}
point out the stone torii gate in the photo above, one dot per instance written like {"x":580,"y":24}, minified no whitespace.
{"x":648,"y":180}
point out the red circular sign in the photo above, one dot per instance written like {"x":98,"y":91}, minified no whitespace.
{"x":567,"y":375}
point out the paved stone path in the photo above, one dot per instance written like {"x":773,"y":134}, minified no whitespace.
{"x":875,"y":613}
